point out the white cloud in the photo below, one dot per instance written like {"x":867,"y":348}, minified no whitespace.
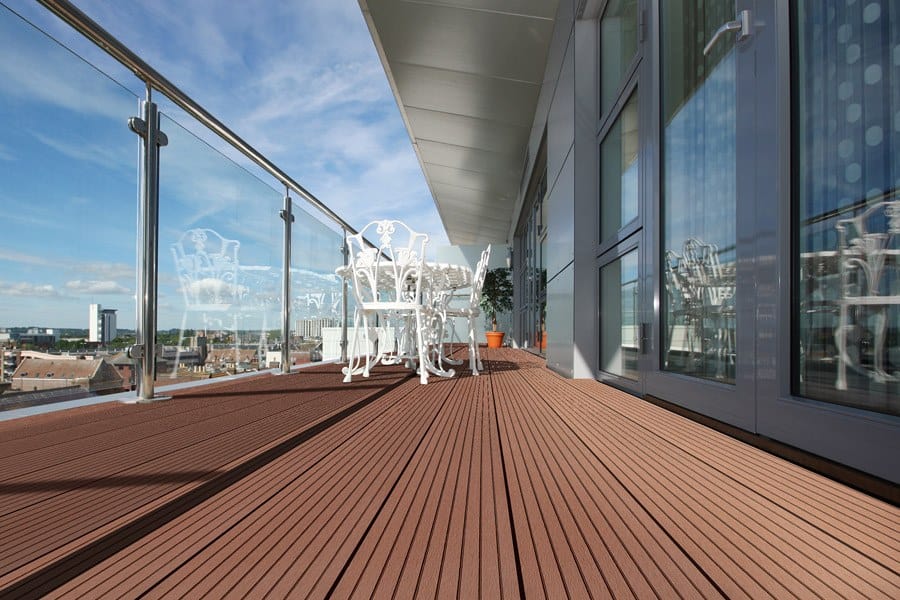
{"x":96,"y":287}
{"x":27,"y":289}
{"x":6,"y":153}
{"x":27,"y":259}
{"x":108,"y":270}
{"x":106,"y":156}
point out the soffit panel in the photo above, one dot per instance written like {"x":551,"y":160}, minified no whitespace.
{"x":459,"y":39}
{"x":533,"y":8}
{"x":469,"y":159}
{"x":490,"y":181}
{"x":474,"y":201}
{"x":465,"y":94}
{"x":467,"y":75}
{"x":465,"y":131}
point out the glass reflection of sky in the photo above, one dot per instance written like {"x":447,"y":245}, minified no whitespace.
{"x":699,"y":164}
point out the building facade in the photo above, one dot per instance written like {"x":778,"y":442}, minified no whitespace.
{"x":101,"y":324}
{"x":708,"y":207}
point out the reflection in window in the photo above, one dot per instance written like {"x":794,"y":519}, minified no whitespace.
{"x":847,"y":203}
{"x":619,"y":170}
{"x":699,"y":192}
{"x":619,"y":335}
{"x":618,"y":45}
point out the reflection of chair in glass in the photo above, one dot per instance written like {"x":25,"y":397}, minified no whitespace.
{"x":703,"y":293}
{"x":868,"y":253}
{"x":387,"y":282}
{"x":470,"y":311}
{"x":207,"y":267}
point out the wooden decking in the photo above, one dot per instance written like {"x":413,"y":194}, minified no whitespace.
{"x":513,"y":484}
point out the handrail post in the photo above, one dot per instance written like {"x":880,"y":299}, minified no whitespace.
{"x":288,"y":217}
{"x":144,"y":352}
{"x":345,"y":250}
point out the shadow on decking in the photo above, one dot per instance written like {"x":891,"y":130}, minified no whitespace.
{"x":70,"y":566}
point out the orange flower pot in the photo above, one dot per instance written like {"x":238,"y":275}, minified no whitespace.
{"x":494,"y":338}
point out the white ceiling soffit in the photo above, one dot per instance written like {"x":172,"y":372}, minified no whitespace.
{"x":466,"y":75}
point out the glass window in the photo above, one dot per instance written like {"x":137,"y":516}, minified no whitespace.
{"x":699,"y":191}
{"x":619,"y":335}
{"x":619,"y":171}
{"x":618,"y":45}
{"x":847,"y":203}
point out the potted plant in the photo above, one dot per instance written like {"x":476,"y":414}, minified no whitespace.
{"x":496,"y":297}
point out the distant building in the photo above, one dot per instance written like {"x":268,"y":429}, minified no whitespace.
{"x":312,"y":328}
{"x":35,"y":337}
{"x":92,"y":375}
{"x":101,"y":324}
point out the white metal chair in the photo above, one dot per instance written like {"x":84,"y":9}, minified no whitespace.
{"x":387,"y":282}
{"x":869,"y":266}
{"x":470,"y":311}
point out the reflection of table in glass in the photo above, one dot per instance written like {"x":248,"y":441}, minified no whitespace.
{"x":702,"y":308}
{"x":855,"y":292}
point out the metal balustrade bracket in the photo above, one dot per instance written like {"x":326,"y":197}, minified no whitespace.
{"x":138,"y":125}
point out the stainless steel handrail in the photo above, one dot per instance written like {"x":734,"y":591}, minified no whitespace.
{"x":90,"y":29}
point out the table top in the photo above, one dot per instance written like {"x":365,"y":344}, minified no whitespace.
{"x":451,"y":276}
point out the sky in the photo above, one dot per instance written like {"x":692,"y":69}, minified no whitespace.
{"x":300,"y":81}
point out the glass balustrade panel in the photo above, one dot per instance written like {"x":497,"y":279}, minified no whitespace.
{"x":317,"y":303}
{"x":68,"y":182}
{"x":221,"y":245}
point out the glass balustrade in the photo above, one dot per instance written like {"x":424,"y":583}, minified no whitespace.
{"x":316,"y":290}
{"x":68,"y":187}
{"x":220,"y":256}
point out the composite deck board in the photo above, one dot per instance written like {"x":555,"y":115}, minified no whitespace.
{"x":175,"y":552}
{"x":860,"y":520}
{"x":617,"y":545}
{"x":516,"y":483}
{"x":81,"y":514}
{"x":772,"y":544}
{"x":119,"y":484}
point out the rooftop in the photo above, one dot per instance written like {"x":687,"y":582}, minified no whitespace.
{"x":515,"y":483}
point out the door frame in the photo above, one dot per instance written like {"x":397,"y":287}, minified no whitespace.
{"x":734,"y":404}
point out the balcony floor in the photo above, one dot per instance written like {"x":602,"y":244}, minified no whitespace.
{"x":516,"y":483}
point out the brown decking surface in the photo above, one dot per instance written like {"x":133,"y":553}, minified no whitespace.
{"x":516,"y":483}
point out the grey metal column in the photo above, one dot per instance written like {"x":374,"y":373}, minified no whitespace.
{"x":288,"y":218}
{"x":144,"y":351}
{"x":346,"y":252}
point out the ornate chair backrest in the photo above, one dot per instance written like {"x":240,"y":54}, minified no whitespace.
{"x":478,"y":277}
{"x":207,"y":267}
{"x":864,"y":242}
{"x":392,"y":271}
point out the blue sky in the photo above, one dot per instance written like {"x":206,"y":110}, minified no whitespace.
{"x":300,"y":81}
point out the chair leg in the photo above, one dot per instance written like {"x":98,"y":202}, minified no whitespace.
{"x":352,"y":357}
{"x":422,"y":351}
{"x":366,"y":343}
{"x":474,"y":359}
{"x":840,"y":339}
